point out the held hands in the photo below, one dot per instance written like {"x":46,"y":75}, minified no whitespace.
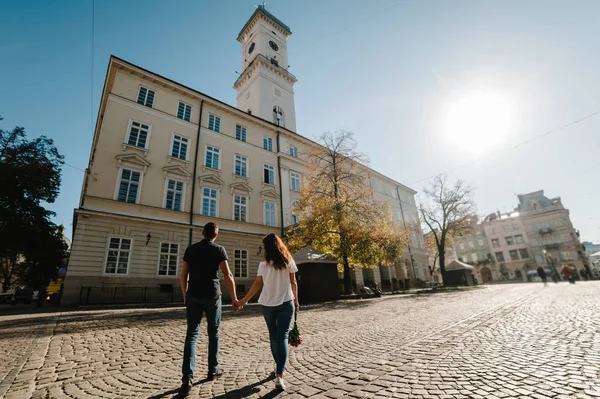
{"x":238,"y":305}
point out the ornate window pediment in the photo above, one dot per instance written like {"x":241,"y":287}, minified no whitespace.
{"x":177,"y":170}
{"x":211,"y":178}
{"x":269,"y":193}
{"x":240,"y":186}
{"x":133,"y":159}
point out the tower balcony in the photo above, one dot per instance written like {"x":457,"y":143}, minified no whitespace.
{"x":546,"y":230}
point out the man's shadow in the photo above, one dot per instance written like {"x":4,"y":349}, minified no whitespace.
{"x":240,"y":393}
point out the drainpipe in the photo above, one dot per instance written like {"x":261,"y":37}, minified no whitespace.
{"x":195,"y":173}
{"x":280,"y":187}
{"x":412,"y":260}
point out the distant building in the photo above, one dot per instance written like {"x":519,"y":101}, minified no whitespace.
{"x":474,"y":250}
{"x":509,"y":245}
{"x":553,"y":240}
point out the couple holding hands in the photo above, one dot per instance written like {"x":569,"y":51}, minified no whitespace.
{"x":202,"y":294}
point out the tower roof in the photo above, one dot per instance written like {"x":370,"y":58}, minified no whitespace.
{"x":261,"y":10}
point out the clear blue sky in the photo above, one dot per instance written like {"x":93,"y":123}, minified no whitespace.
{"x":384,"y":69}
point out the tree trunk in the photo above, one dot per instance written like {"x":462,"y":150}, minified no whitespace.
{"x":347,"y":277}
{"x":443,"y":265}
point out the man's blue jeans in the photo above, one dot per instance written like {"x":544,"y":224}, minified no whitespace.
{"x":194,"y":309}
{"x":279,"y":319}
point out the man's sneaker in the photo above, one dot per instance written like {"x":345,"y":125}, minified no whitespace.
{"x":185,"y":388}
{"x":214,"y":375}
{"x":279,"y":384}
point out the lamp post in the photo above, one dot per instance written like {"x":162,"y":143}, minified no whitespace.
{"x":550,"y":261}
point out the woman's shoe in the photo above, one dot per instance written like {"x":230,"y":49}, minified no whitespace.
{"x":279,"y":384}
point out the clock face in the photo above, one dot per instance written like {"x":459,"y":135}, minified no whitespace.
{"x":251,"y":48}
{"x":274,"y":45}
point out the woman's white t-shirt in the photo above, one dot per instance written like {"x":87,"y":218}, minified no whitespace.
{"x":277,"y":288}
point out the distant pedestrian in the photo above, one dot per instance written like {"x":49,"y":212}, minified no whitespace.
{"x":542,"y":273}
{"x":202,"y":294}
{"x":279,"y":298}
{"x":568,"y":274}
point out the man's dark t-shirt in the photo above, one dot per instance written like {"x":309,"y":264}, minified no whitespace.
{"x":203,"y":260}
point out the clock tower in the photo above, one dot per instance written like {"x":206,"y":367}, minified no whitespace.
{"x":265,"y":87}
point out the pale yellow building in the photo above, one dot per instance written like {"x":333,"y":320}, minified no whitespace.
{"x":166,"y":159}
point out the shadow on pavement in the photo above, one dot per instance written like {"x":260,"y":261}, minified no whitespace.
{"x":244,"y":392}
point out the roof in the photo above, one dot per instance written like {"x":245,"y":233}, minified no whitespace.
{"x":260,"y":9}
{"x":457,"y":265}
{"x":596,"y":254}
{"x":309,"y":255}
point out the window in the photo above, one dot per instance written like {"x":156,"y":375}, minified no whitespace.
{"x":398,"y":215}
{"x":295,"y":181}
{"x":184,"y":111}
{"x":146,"y":97}
{"x":179,"y":147}
{"x":495,"y":243}
{"x":471,"y":245}
{"x":240,"y":206}
{"x":295,"y":218}
{"x":524,"y":253}
{"x":240,"y":263}
{"x":294,"y":151}
{"x":117,"y":255}
{"x":268,"y":143}
{"x":278,"y":116}
{"x":480,"y":242}
{"x":138,"y":134}
{"x":168,"y":259}
{"x":519,"y":239}
{"x":461,"y":245}
{"x":514,"y":254}
{"x":174,"y":195}
{"x":515,"y":227}
{"x":212,"y":157}
{"x":214,"y":122}
{"x":270,"y":217}
{"x":269,"y":174}
{"x":499,"y":256}
{"x":506,"y":227}
{"x":510,"y":240}
{"x":209,"y":201}
{"x":129,"y":186}
{"x":240,"y":133}
{"x":474,"y":257}
{"x":394,"y":194}
{"x":564,"y":255}
{"x":241,"y":166}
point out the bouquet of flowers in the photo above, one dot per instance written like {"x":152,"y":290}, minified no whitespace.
{"x":294,"y":338}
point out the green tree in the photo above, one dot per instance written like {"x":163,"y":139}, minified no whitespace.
{"x":29,"y":176}
{"x":445,"y":211}
{"x":338,"y":213}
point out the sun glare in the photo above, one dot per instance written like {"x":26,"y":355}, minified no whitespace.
{"x":478,"y":121}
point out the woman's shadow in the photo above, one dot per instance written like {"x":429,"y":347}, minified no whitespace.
{"x":240,"y":393}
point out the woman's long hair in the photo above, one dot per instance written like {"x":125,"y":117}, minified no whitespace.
{"x":276,"y":252}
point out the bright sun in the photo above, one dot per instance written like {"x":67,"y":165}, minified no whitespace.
{"x":478,"y":121}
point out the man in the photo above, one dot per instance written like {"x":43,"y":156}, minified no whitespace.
{"x":202,"y":294}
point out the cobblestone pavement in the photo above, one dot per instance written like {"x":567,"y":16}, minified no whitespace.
{"x":512,"y":341}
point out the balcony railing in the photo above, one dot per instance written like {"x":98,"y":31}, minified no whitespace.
{"x":551,"y":246}
{"x":546,"y":230}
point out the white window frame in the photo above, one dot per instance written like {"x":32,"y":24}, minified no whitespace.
{"x":128,"y":133}
{"x":514,"y":259}
{"x":247,"y":161}
{"x":271,"y":168}
{"x":183,"y":182}
{"x":202,"y":196}
{"x":243,"y":132}
{"x":243,"y":268}
{"x":160,"y":244}
{"x":187,"y":152}
{"x":146,"y":98}
{"x":107,"y":249}
{"x":480,"y":242}
{"x":119,"y":177}
{"x":298,"y":177}
{"x":474,"y":258}
{"x":293,"y":215}
{"x":215,"y":128}
{"x":185,"y":106}
{"x":274,"y":213}
{"x":293,"y":151}
{"x":246,"y":205}
{"x":471,"y":244}
{"x":268,"y":143}
{"x":461,"y":245}
{"x":206,"y":156}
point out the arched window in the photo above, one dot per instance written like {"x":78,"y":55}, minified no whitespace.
{"x":278,"y":116}
{"x":295,"y":218}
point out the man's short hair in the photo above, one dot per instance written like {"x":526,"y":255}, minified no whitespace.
{"x":210,"y":230}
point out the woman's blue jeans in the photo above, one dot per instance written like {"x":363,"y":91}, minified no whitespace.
{"x":279,"y":319}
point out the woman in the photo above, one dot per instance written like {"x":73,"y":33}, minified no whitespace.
{"x":542,"y":273}
{"x":279,"y":297}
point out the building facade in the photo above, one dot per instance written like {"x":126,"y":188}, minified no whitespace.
{"x":553,"y":239}
{"x":166,"y":159}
